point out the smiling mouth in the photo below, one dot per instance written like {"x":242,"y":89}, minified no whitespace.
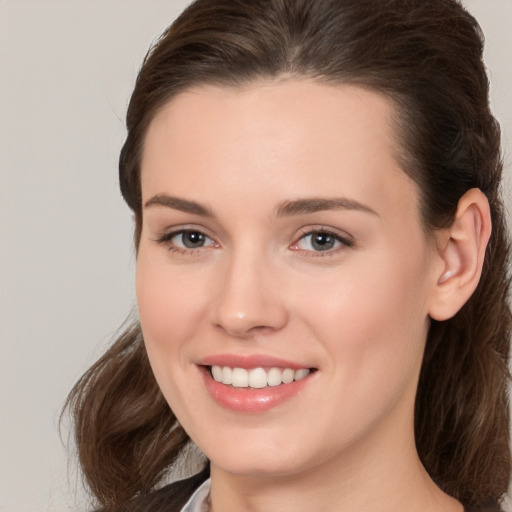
{"x":257,"y":378}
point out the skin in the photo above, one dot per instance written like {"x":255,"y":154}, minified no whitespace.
{"x":358,"y":313}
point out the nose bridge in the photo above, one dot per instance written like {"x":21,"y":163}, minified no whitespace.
{"x":248,"y":303}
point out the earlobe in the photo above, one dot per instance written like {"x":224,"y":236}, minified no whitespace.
{"x":461,"y":249}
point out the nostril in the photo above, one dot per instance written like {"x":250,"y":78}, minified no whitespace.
{"x":245,"y":308}
{"x":242,"y":330}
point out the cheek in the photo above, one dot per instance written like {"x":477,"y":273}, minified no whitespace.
{"x":170,"y":308}
{"x":374,"y":318}
{"x":169,"y":300}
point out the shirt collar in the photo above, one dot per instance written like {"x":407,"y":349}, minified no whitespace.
{"x":199,"y":501}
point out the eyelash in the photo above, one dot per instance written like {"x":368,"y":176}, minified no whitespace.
{"x":345,"y":242}
{"x":165,"y":239}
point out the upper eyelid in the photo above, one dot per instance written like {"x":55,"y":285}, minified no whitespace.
{"x":345,"y":243}
{"x":165,"y":240}
{"x":167,"y":235}
{"x":337,"y":233}
{"x":180,"y":228}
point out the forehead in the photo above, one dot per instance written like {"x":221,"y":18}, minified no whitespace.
{"x":274,"y":109}
{"x":292,"y":137}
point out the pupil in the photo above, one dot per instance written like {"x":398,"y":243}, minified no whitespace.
{"x":193,"y":239}
{"x":322,"y":242}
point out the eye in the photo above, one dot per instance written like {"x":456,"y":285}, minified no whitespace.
{"x":321,"y":241}
{"x":189,"y":239}
{"x":186,"y":240}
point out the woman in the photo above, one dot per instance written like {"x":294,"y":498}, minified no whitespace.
{"x":321,"y":267}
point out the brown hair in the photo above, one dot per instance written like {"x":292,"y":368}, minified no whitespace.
{"x":426,"y":56}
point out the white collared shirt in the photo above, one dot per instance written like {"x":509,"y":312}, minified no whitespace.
{"x":199,"y":502}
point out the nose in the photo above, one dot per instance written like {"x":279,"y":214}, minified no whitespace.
{"x":250,"y":301}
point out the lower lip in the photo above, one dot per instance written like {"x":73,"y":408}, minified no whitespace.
{"x":250,"y":400}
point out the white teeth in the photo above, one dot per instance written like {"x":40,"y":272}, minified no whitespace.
{"x":300,"y":374}
{"x":240,"y":378}
{"x":217,"y":373}
{"x":256,"y":377}
{"x":274,"y":377}
{"x":288,"y":376}
{"x":227,"y":375}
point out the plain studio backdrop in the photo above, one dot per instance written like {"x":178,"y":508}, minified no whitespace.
{"x":67,"y":68}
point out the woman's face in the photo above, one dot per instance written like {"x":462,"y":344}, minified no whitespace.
{"x":282,"y":241}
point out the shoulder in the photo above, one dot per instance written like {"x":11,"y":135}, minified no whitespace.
{"x":170,"y":498}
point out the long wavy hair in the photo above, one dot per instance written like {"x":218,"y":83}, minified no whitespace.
{"x":426,"y":57}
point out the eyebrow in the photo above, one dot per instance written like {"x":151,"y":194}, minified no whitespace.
{"x":312,"y":205}
{"x":177,"y":203}
{"x":285,"y":209}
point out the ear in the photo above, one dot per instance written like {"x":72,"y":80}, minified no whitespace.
{"x":461,"y":252}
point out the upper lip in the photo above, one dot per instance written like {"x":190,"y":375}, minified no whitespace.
{"x":249,"y":361}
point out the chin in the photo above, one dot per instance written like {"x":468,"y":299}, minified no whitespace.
{"x":259,"y":458}
{"x":264,"y":467}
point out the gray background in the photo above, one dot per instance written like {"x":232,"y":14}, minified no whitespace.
{"x":66,"y":260}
